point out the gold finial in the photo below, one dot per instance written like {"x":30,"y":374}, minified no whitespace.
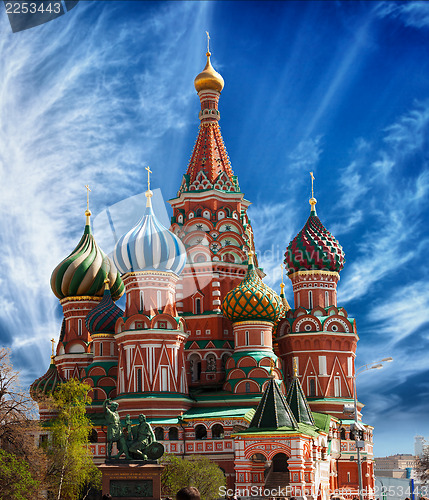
{"x":88,"y":211}
{"x":250,"y":243}
{"x":53,"y":348}
{"x":107,"y":283}
{"x":148,"y":193}
{"x":312,"y":200}
{"x":295,"y":368}
{"x":282,"y":285}
{"x":272,"y":366}
{"x":208,"y":41}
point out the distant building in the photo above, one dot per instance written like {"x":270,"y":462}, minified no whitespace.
{"x":397,"y":466}
{"x":419,"y":446}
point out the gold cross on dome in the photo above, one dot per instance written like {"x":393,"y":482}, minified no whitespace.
{"x":87,"y":196}
{"x":149,"y":171}
{"x":53,"y":347}
{"x":312,"y":181}
{"x":208,"y":41}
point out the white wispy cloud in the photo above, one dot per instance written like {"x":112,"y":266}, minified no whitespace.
{"x":76,"y":114}
{"x":413,"y":14}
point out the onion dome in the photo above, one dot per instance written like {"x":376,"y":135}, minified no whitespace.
{"x":149,"y":246}
{"x":103,"y":317}
{"x":209,"y":79}
{"x":47,"y":383}
{"x":82,"y":273}
{"x":252,"y":300}
{"x":314,"y":247}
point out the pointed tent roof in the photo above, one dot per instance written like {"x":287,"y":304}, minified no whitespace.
{"x":298,"y":403}
{"x":273,"y":410}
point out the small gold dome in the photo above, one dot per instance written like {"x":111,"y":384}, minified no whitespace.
{"x":209,"y":79}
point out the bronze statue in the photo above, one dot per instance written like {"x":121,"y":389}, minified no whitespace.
{"x":114,"y":430}
{"x":143,"y":438}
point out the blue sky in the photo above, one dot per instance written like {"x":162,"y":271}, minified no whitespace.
{"x":338,"y":88}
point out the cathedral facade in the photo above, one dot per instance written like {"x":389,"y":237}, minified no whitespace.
{"x":220,"y":364}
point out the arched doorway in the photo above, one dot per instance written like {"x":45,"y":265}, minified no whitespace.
{"x":278,"y":473}
{"x":280,"y":463}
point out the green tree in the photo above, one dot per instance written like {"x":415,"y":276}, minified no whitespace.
{"x":17,"y":435}
{"x":71,"y":470}
{"x":16,"y":481}
{"x":197,"y":471}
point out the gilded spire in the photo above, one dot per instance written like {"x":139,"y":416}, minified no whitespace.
{"x":148,"y":193}
{"x":282,"y":291}
{"x":209,"y":79}
{"x":250,"y":243}
{"x":272,"y":366}
{"x":295,"y":368}
{"x":208,"y":41}
{"x":107,"y":283}
{"x":312,"y":200}
{"x":53,"y":349}
{"x":87,"y":211}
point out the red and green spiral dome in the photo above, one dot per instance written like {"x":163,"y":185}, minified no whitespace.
{"x":314,"y":248}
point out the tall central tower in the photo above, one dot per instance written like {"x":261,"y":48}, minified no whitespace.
{"x":210,"y":216}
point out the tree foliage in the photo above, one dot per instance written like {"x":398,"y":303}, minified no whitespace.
{"x":71,"y":469}
{"x":16,"y":480}
{"x":422,"y":467}
{"x":197,"y":471}
{"x":20,"y":455}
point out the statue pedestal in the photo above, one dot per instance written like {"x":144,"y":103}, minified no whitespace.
{"x":131,"y":480}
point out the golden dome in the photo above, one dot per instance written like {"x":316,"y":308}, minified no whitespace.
{"x":209,"y":79}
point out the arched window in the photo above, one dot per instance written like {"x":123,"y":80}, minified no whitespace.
{"x":211,"y":363}
{"x":343,"y":433}
{"x":101,"y":348}
{"x":326,"y":299}
{"x":158,"y":300}
{"x":200,"y":432}
{"x":141,"y":301}
{"x":258,"y":457}
{"x":217,"y":432}
{"x":93,"y":436}
{"x":159,"y":433}
{"x":197,"y":306}
{"x":262,"y":338}
{"x":79,"y":327}
{"x":225,"y":358}
{"x":180,"y":219}
{"x":246,"y":338}
{"x":139,"y":380}
{"x":195,"y":367}
{"x":173,"y":434}
{"x":312,"y":387}
{"x":310,"y":299}
{"x":247,"y":386}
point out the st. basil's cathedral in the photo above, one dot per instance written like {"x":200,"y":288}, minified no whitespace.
{"x":218,"y":362}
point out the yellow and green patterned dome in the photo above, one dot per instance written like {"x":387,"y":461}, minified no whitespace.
{"x":252,"y":300}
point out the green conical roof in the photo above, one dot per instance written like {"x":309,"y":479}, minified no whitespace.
{"x":273,"y":411}
{"x":298,"y":403}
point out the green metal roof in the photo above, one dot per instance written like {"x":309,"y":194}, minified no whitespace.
{"x":273,"y":412}
{"x":220,"y":412}
{"x":322,"y":421}
{"x":305,"y":429}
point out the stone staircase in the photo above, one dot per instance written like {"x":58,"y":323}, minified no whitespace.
{"x":275,"y":480}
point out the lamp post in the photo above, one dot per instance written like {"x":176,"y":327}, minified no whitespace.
{"x":360,"y":444}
